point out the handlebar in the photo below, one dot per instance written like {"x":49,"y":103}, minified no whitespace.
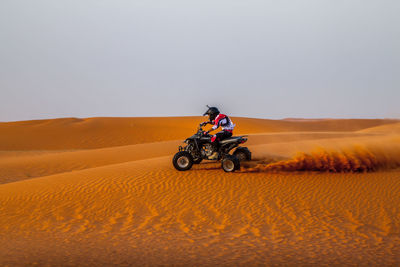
{"x":200,"y":130}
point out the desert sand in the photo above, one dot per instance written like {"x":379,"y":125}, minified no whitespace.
{"x":103,"y":192}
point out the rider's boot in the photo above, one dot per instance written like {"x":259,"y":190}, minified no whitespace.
{"x":214,"y":155}
{"x":215,"y":149}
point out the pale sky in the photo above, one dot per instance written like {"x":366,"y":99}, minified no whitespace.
{"x":265,"y":59}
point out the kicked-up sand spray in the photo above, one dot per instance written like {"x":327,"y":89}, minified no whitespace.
{"x":354,"y":159}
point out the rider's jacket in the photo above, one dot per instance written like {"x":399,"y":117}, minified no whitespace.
{"x":223,"y":121}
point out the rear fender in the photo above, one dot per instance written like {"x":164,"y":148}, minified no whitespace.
{"x":228,"y":147}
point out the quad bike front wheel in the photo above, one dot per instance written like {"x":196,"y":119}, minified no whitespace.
{"x":182,"y":161}
{"x":230,"y":163}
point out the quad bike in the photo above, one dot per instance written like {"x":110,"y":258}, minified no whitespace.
{"x":199,"y":147}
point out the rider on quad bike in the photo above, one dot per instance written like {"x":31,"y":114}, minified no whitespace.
{"x":218,"y":120}
{"x":202,"y":146}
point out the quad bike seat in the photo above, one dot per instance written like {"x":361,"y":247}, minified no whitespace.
{"x":230,"y":139}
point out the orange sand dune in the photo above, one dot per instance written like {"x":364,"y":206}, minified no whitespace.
{"x":21,"y":165}
{"x":388,"y":129}
{"x":72,"y":133}
{"x":121,"y":203}
{"x":14,"y":167}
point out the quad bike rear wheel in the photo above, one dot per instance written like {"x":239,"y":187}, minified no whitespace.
{"x":182,"y":161}
{"x":242,"y":153}
{"x":230,"y":163}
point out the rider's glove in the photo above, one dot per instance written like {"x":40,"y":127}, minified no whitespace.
{"x":205,"y":132}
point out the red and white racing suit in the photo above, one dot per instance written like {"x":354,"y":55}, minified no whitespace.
{"x":227,"y":126}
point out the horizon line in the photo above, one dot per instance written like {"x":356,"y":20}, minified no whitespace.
{"x":189,"y":116}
